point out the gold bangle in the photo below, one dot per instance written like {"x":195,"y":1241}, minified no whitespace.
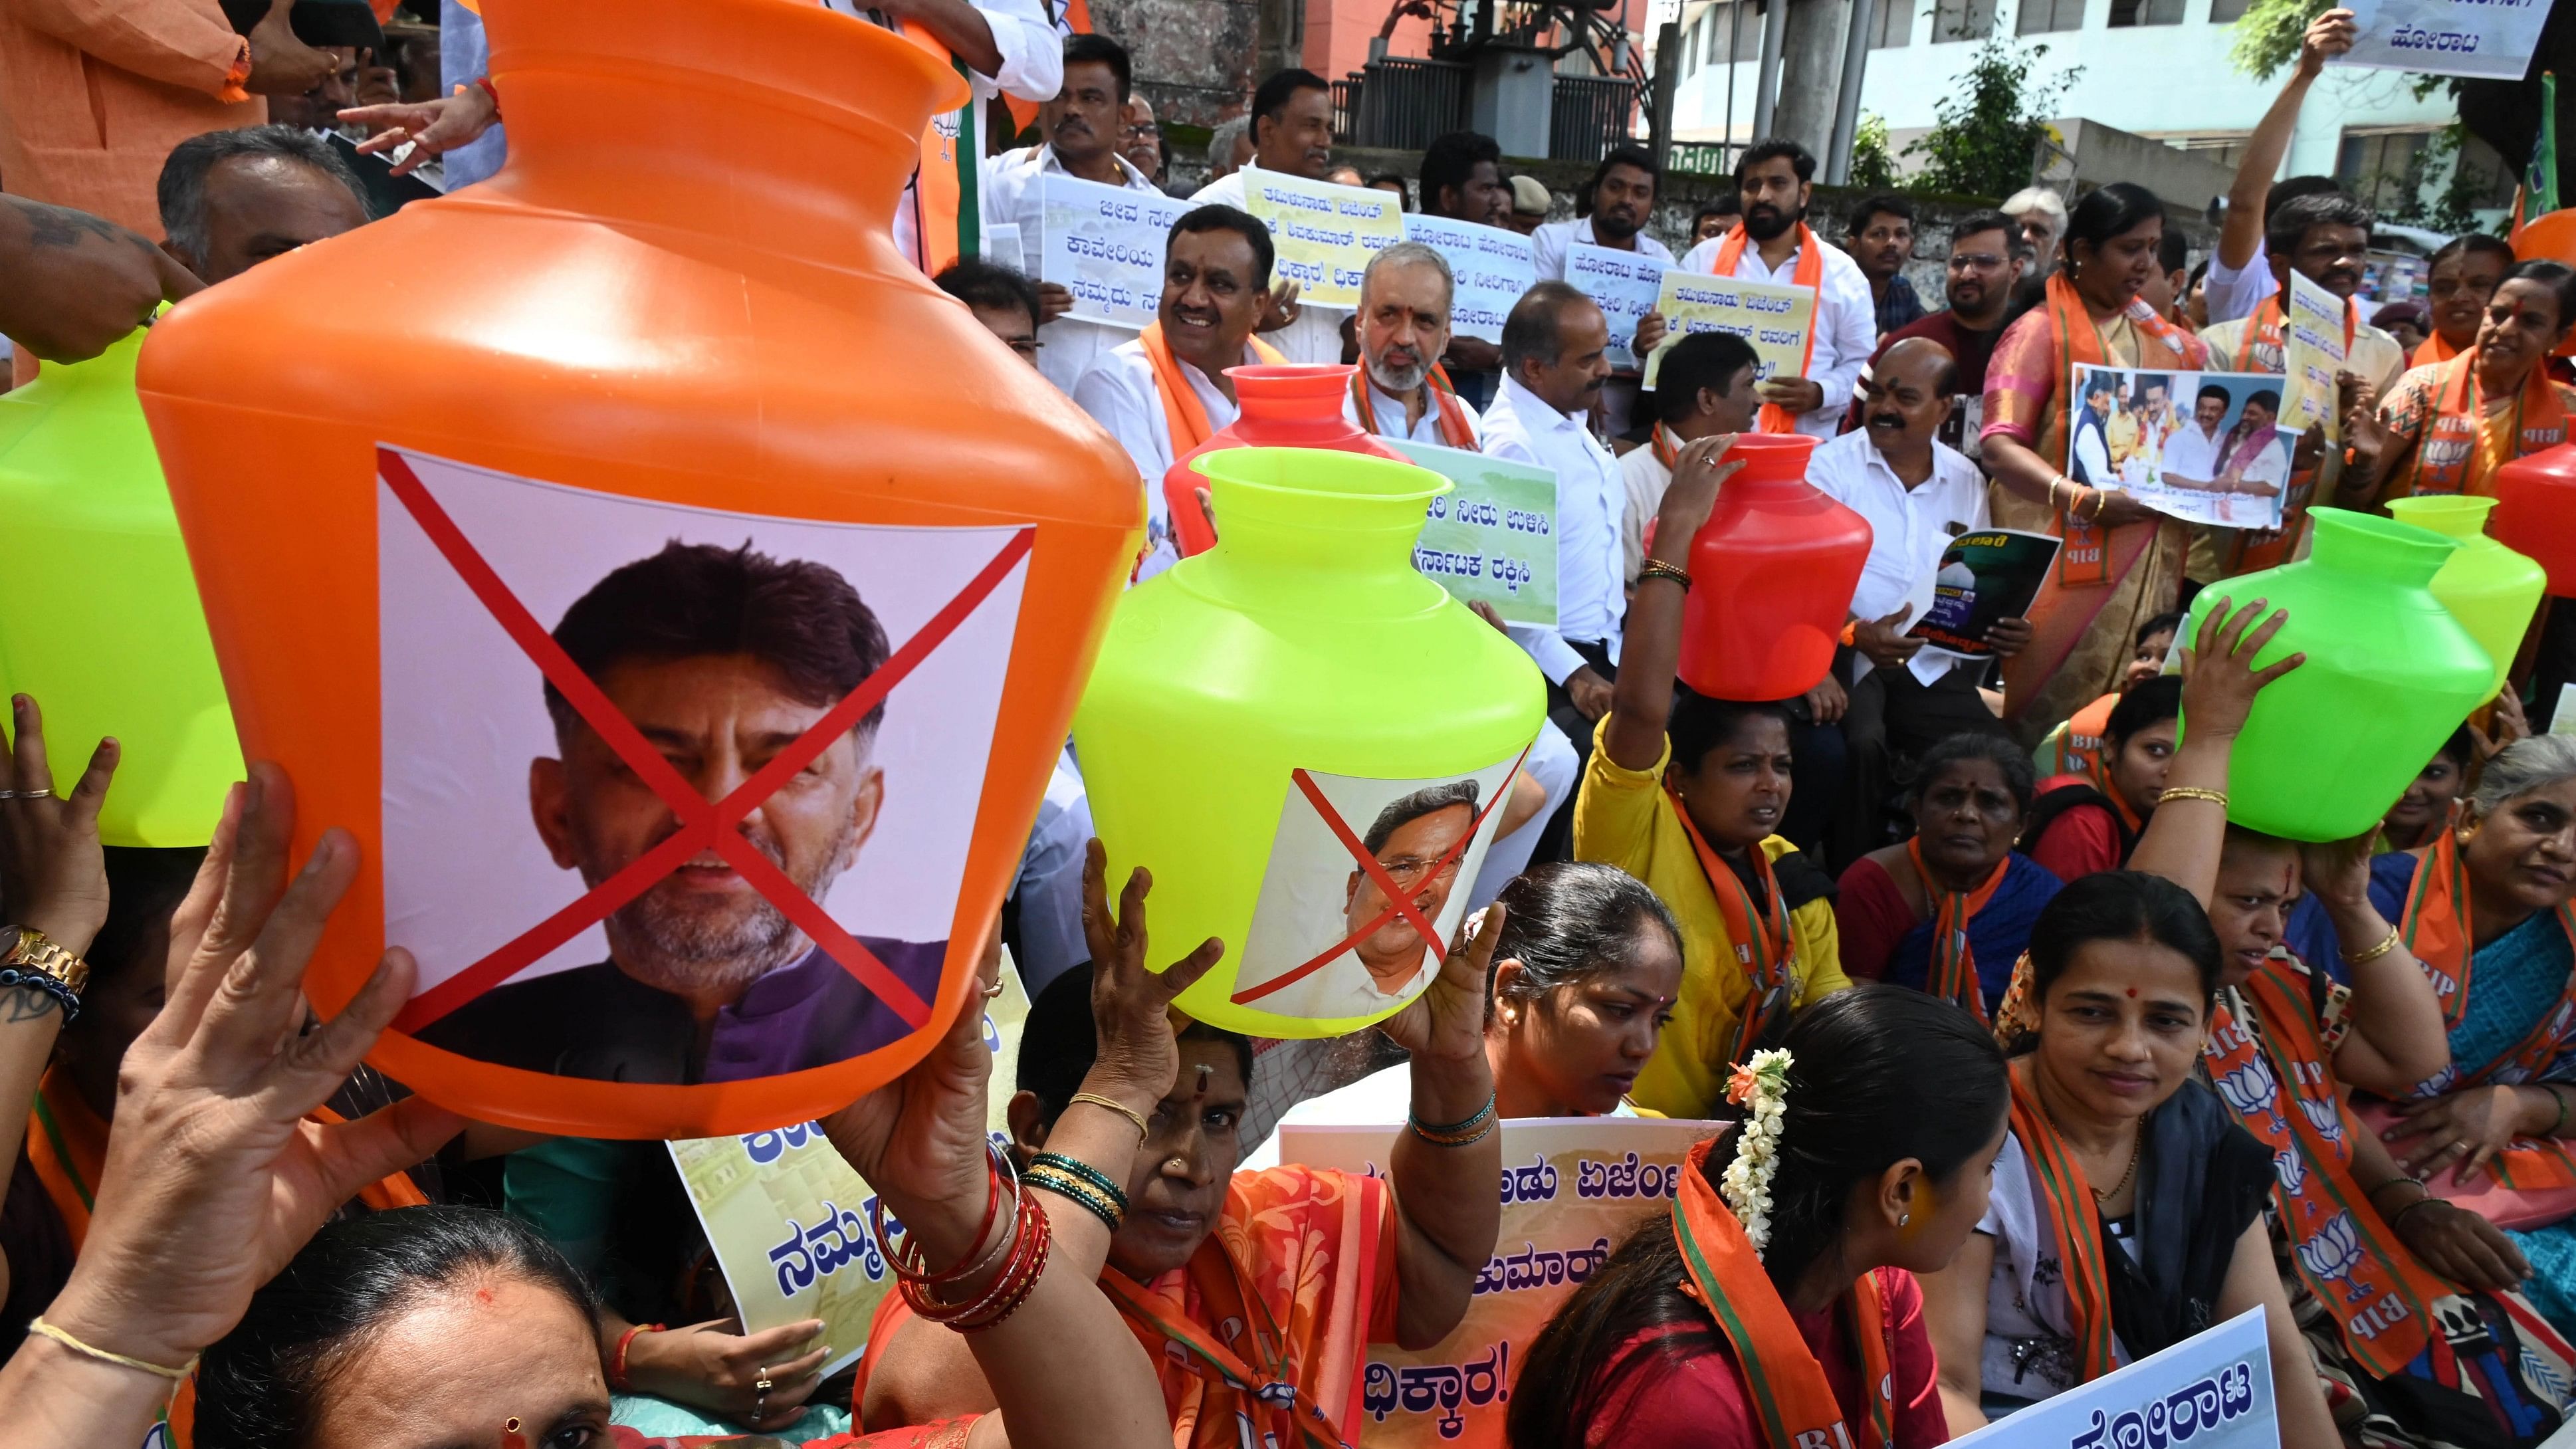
{"x":2100,"y":498}
{"x":42,"y":1329}
{"x":2386,"y":944}
{"x":1121,"y":1108}
{"x":2194,"y":792}
{"x":1656,"y":568}
{"x":2053,"y":485}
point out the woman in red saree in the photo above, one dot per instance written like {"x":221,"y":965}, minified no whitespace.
{"x":1791,"y":1317}
{"x":2122,"y":562}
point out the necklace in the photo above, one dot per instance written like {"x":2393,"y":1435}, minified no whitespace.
{"x":2137,"y":1146}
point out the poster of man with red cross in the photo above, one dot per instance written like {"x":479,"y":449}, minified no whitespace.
{"x":1360,"y":898}
{"x":676,"y":795}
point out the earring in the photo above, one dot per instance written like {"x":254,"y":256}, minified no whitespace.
{"x":1904,"y":1219}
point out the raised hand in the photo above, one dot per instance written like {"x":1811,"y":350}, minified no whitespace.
{"x":214,"y":1177}
{"x":53,"y":875}
{"x":2219,"y":680}
{"x":438,"y":126}
{"x":1131,"y":1003}
{"x":1447,"y":1021}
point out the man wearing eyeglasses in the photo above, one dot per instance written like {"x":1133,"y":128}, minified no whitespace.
{"x":1417,"y":839}
{"x":1987,"y":257}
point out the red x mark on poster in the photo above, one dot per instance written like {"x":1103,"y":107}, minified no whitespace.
{"x":703,"y":824}
{"x":1400,"y":901}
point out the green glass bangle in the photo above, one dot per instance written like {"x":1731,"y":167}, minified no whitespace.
{"x":1435,"y":1131}
{"x":1074,"y":1190}
{"x":1076,"y":1167}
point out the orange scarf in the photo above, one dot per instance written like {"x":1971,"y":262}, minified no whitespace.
{"x":1810,"y":274}
{"x":1952,"y":972}
{"x":2264,"y":351}
{"x":2432,"y":350}
{"x":1183,"y":413}
{"x":1454,"y":430}
{"x":945,"y":195}
{"x":1765,"y":944}
{"x":2460,"y":451}
{"x":2086,"y":558}
{"x":1781,"y":1376}
{"x":2074,"y":1221}
{"x":2272,"y":1071}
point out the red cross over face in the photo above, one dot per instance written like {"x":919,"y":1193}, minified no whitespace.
{"x":706,"y":806}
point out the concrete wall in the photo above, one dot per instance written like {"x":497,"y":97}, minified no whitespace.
{"x":2102,"y":154}
{"x":1193,"y":58}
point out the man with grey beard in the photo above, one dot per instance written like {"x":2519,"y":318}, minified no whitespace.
{"x":722,"y":658}
{"x":1403,"y":320}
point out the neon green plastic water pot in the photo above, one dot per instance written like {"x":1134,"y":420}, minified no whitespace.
{"x":2488,"y":587}
{"x":2389,"y":674}
{"x":1307,"y":742}
{"x":99,"y":617}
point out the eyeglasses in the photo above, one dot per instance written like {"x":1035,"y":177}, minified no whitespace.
{"x":1409,"y":871}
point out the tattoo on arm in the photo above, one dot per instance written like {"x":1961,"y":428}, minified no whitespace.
{"x":26,"y":1003}
{"x":61,"y":226}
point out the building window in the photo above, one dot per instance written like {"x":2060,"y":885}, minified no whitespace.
{"x":1891,"y":24}
{"x":2044,"y":15}
{"x":2146,"y":12}
{"x":1962,"y":19}
{"x":1733,"y":25}
{"x":2222,"y":12}
{"x":2385,"y":169}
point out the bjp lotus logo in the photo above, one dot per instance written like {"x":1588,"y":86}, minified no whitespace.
{"x":2326,"y":1116}
{"x":2332,"y":1253}
{"x":2251,"y":1091}
{"x":2291,"y":1169}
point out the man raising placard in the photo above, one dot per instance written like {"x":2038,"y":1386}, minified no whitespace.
{"x":1166,"y":392}
{"x":1082,"y":127}
{"x":1774,"y":244}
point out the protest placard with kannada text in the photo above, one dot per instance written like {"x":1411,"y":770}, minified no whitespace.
{"x":787,"y":1218}
{"x":1571,"y":1189}
{"x":1104,"y":244}
{"x":1624,"y":283}
{"x":2312,"y":352}
{"x":1774,"y":316}
{"x":1490,"y":264}
{"x":2213,"y":1390}
{"x":1323,"y":234}
{"x":2492,"y":38}
{"x":1491,"y":539}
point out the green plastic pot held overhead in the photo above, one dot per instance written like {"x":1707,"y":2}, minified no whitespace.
{"x":1303,"y":640}
{"x":2390,"y":673}
{"x":99,"y":618}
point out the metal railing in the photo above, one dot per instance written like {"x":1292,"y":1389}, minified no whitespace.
{"x":1400,"y":103}
{"x":1591,"y":114}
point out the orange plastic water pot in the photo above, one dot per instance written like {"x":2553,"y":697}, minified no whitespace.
{"x":1774,"y":569}
{"x":1285,"y":405}
{"x":679,"y":598}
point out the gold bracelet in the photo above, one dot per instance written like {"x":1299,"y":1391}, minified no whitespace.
{"x":43,"y":1329}
{"x":2386,"y":944}
{"x":1656,"y":568}
{"x":2053,"y":485}
{"x":1121,"y":1108}
{"x":2100,"y":499}
{"x":2194,"y":792}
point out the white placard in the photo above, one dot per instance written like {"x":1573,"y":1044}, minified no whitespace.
{"x":2213,"y":1390}
{"x":2491,"y":38}
{"x":1490,"y":264}
{"x":1104,"y":244}
{"x":1624,"y":283}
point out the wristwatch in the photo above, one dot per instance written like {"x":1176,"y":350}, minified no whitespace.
{"x":34,"y":959}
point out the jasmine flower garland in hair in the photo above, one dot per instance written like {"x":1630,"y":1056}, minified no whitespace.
{"x":1761,"y":1088}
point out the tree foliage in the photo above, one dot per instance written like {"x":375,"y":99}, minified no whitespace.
{"x":1986,"y":132}
{"x":1873,"y":166}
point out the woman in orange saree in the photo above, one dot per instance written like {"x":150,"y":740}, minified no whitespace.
{"x":2122,"y":562}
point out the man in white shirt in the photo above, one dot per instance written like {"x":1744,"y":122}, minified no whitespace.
{"x":1554,"y":363}
{"x":1705,"y":387}
{"x":1009,"y":47}
{"x":1773,"y":243}
{"x":1917,"y":494}
{"x":2191,"y":454}
{"x":1166,"y":392}
{"x":1083,"y":128}
{"x":1292,"y":132}
{"x":1403,"y":326}
{"x":2240,"y":274}
{"x":1623,"y":201}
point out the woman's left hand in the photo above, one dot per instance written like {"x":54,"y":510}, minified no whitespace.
{"x":2338,"y":872}
{"x":2463,"y":1247}
{"x":919,"y":1140}
{"x":53,"y":876}
{"x":1447,"y":1021}
{"x":214,"y":1178}
{"x":2461,"y":1130}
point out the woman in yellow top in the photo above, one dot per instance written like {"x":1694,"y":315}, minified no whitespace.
{"x":1686,"y":794}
